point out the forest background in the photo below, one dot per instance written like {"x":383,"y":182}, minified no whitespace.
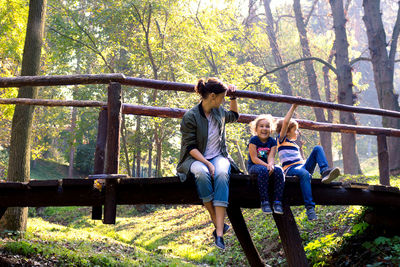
{"x":325,"y":47}
{"x":237,"y":41}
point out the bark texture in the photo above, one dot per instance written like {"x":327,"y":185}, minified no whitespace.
{"x":383,"y":68}
{"x":351,"y":162}
{"x":284,"y":83}
{"x":326,"y":139}
{"x":20,"y":145}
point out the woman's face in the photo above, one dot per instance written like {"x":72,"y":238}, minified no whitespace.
{"x":218,"y":99}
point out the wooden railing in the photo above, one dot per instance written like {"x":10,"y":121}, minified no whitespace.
{"x":381,"y":133}
{"x":108,"y":148}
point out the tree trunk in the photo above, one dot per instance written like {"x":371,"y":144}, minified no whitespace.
{"x":149,"y":174}
{"x":123,"y":135}
{"x":20,"y":144}
{"x":72,"y":141}
{"x":351,"y":163}
{"x":325,"y":138}
{"x":383,"y":67}
{"x":284,"y":83}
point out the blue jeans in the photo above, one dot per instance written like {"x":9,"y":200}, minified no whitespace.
{"x":305,"y":171}
{"x":219,"y":192}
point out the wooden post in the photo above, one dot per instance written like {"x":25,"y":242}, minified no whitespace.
{"x":242,"y":233}
{"x":99,"y":155}
{"x":383,"y":159}
{"x":2,"y":211}
{"x":112,"y":150}
{"x":290,"y":237}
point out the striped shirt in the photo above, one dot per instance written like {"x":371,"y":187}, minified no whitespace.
{"x":289,"y":153}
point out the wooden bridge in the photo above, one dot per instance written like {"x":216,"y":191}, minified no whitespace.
{"x":121,"y":190}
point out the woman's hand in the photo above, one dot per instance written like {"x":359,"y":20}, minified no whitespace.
{"x":211,"y":168}
{"x":231,"y":91}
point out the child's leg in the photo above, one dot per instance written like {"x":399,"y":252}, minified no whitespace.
{"x":317,"y":156}
{"x":262,"y":179}
{"x":279,"y":183}
{"x":305,"y":183}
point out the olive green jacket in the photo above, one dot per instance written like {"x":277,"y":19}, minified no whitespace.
{"x":194,"y":129}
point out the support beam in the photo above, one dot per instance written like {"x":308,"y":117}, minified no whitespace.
{"x":242,"y":233}
{"x":112,"y":150}
{"x":99,"y":156}
{"x":290,"y":237}
{"x":383,"y":159}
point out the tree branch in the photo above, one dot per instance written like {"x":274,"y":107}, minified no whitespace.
{"x":292,"y":63}
{"x":395,"y":36}
{"x":311,"y":11}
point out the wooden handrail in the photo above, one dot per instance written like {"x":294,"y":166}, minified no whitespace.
{"x":52,"y":80}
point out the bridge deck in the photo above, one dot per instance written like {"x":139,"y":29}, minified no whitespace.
{"x":169,"y":190}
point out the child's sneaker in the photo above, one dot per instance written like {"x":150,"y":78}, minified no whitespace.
{"x":265,"y":207}
{"x":277,"y":207}
{"x":329,"y":175}
{"x":311,"y":213}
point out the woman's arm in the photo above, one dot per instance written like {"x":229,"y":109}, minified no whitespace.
{"x":286,"y":121}
{"x":196,"y":154}
{"x":233,"y":106}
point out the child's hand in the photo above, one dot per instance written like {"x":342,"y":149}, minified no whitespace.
{"x":270,"y":167}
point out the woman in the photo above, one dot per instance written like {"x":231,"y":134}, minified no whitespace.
{"x":203,"y":150}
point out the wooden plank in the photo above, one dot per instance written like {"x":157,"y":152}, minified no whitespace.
{"x":113,"y":150}
{"x":2,"y":211}
{"x":243,"y":235}
{"x":290,"y":237}
{"x":99,"y":156}
{"x":355,"y":185}
{"x":383,"y":160}
{"x":76,"y":182}
{"x":13,"y":185}
{"x":110,"y":201}
{"x":43,"y":183}
{"x":384,"y":188}
{"x":113,"y":128}
{"x":107,"y":176}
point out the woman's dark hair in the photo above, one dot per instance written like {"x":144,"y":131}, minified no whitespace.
{"x":213,"y":85}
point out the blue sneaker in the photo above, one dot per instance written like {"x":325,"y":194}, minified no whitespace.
{"x":219,"y":242}
{"x":277,"y":207}
{"x":311,"y":215}
{"x":265,"y":207}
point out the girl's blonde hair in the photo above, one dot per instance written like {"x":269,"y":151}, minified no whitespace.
{"x":292,"y":123}
{"x":256,"y":121}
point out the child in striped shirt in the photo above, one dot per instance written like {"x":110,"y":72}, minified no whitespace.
{"x":294,"y":165}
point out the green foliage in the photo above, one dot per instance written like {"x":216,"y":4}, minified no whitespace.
{"x":84,"y":162}
{"x":318,"y":249}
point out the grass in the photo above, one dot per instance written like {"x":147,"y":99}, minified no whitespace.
{"x":48,"y":170}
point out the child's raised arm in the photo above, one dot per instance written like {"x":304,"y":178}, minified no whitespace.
{"x":286,"y":121}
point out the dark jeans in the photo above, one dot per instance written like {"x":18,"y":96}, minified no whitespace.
{"x":263,"y":181}
{"x":305,"y":171}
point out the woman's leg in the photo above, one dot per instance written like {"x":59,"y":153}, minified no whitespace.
{"x":262,"y":180}
{"x":305,"y":183}
{"x":221,"y":190}
{"x":317,"y":156}
{"x":204,"y":186}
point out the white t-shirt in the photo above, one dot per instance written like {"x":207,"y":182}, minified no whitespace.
{"x":213,"y":148}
